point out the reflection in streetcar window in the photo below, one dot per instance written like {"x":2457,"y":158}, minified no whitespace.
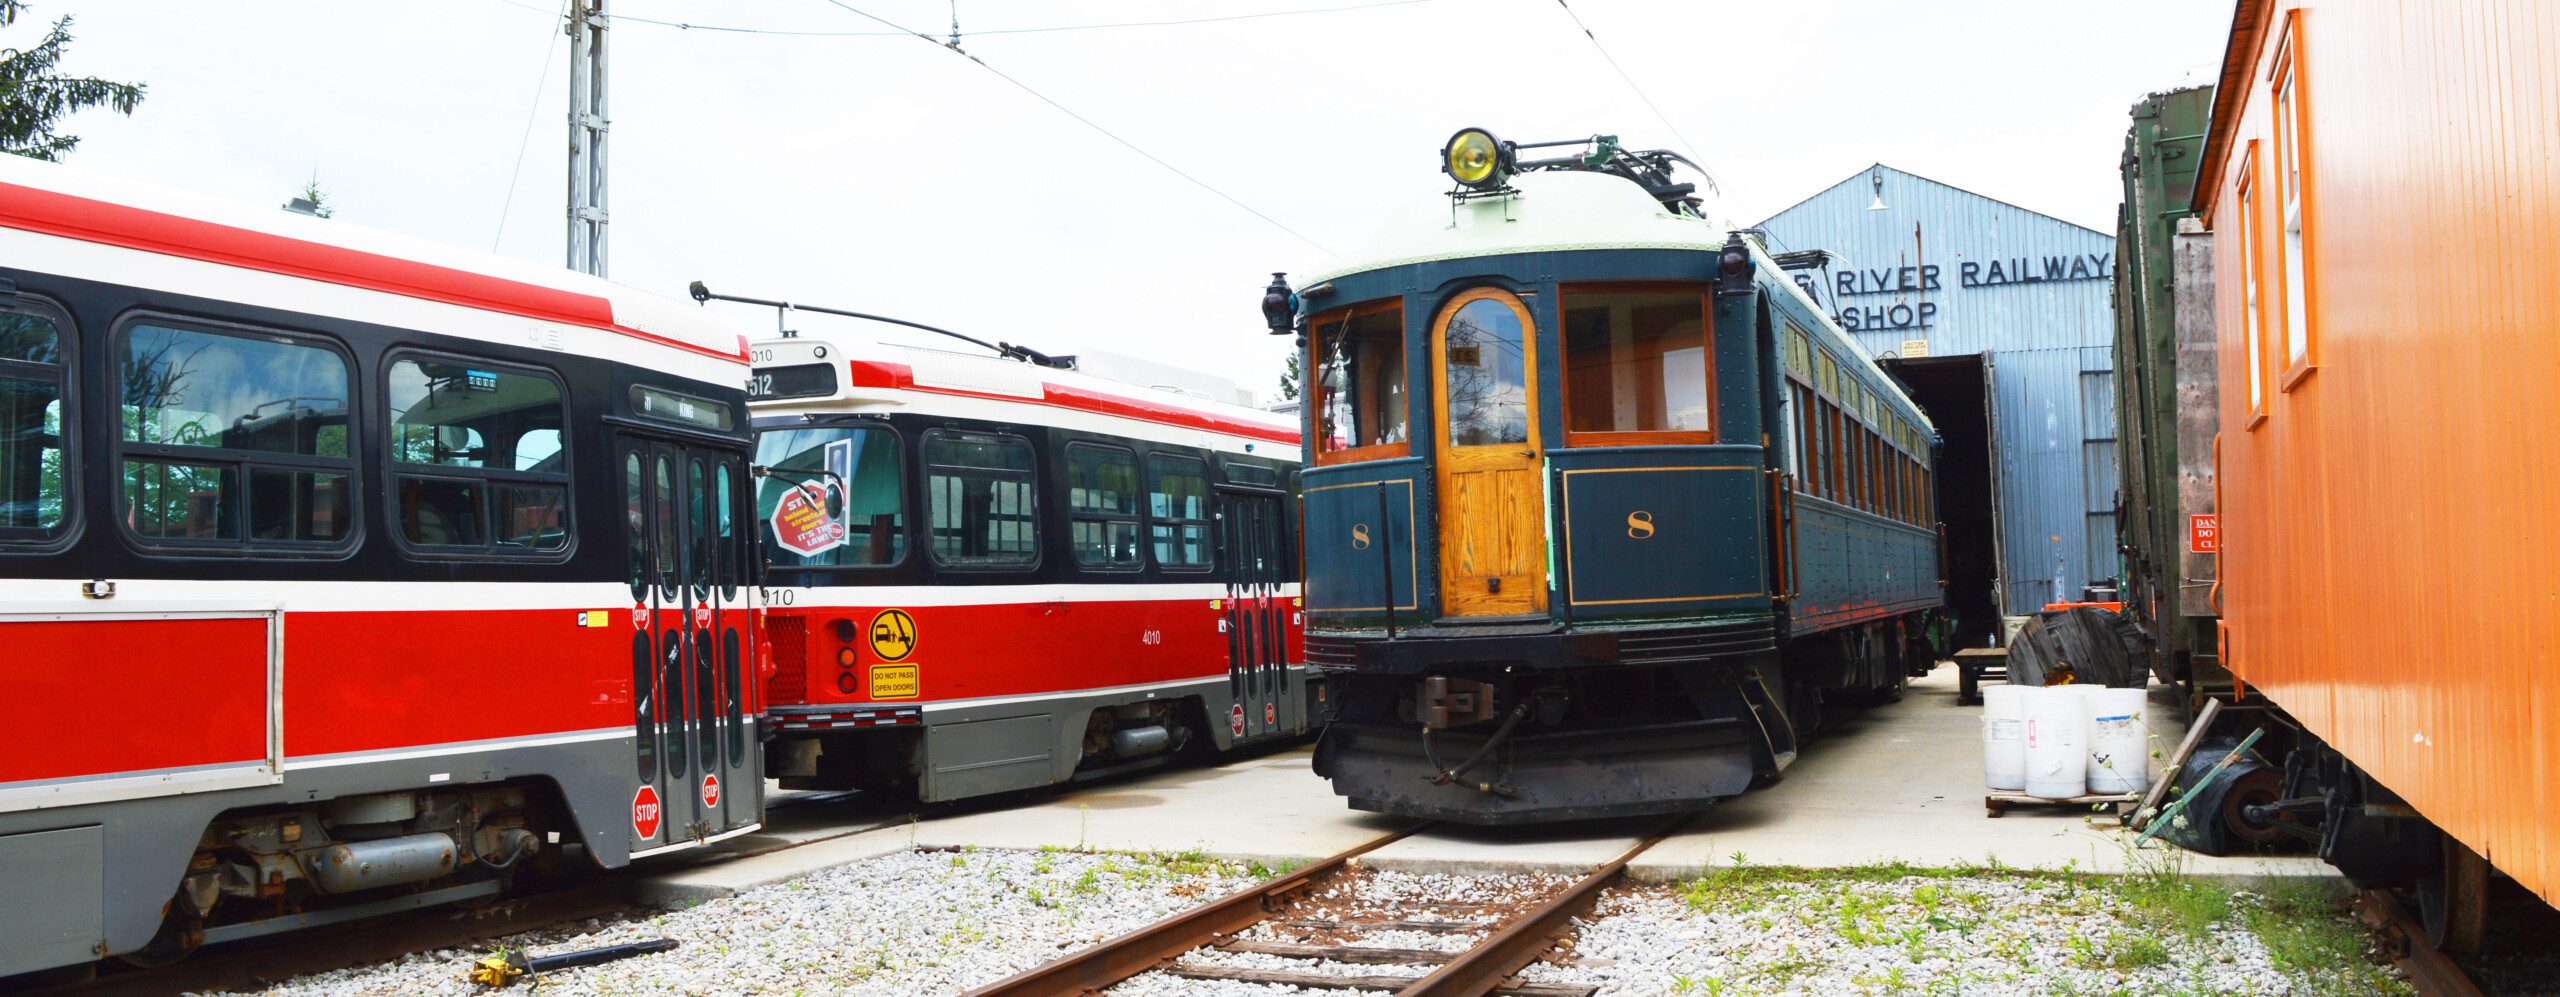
{"x":853,"y":472}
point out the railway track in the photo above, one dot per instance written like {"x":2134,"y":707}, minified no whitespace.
{"x":2430,"y":971}
{"x":273,"y":958}
{"x":1507,"y":942}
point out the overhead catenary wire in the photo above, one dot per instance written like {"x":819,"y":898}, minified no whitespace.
{"x":1612,"y":60}
{"x":540,"y":83}
{"x":1087,"y":122}
{"x":1028,"y":30}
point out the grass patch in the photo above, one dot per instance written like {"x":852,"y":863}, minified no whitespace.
{"x":2308,"y":931}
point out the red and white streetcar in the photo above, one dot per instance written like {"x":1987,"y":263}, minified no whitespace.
{"x":342,"y":574}
{"x":996,"y":572}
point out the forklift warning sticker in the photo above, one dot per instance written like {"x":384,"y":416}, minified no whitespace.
{"x":895,"y":682}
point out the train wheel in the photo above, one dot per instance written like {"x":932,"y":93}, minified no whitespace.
{"x":2454,"y":904}
{"x":2259,"y":786}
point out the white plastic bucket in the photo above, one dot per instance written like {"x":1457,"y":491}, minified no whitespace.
{"x":2057,"y":742}
{"x":2004,"y":736}
{"x":2118,"y":761}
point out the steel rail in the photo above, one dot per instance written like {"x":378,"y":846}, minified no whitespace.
{"x":1112,"y":960}
{"x":1484,"y":968}
{"x":2405,"y":942}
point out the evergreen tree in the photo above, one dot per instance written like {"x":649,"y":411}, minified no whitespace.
{"x":319,"y":197}
{"x":1289,"y":377}
{"x":33,"y":97}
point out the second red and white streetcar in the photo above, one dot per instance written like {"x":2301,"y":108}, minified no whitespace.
{"x":988,"y":574}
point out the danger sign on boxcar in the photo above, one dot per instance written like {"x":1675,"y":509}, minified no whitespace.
{"x":2204,"y":534}
{"x":801,"y":524}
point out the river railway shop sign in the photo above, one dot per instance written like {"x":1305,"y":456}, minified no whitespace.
{"x":1930,"y":278}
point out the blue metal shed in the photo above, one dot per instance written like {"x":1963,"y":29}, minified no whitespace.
{"x":1920,"y":268}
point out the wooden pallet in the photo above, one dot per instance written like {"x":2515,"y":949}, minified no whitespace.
{"x":1999,"y":801}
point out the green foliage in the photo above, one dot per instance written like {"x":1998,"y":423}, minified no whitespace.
{"x":1290,"y":376}
{"x":35,"y":96}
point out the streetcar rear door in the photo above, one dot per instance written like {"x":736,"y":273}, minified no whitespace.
{"x":689,"y":578}
{"x":1253,"y":530}
{"x":1493,"y":556}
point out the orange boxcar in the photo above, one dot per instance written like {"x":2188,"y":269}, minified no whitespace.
{"x":2385,"y":200}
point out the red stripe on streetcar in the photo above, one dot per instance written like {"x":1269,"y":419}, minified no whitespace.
{"x":885,"y":374}
{"x":108,"y":223}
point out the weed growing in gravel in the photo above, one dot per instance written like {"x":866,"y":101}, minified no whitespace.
{"x":2305,"y":929}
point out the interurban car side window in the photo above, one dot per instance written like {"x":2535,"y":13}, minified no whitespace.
{"x":233,"y":437}
{"x":479,"y":458}
{"x":36,"y":469}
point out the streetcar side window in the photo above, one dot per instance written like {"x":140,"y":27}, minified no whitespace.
{"x":478,"y":465}
{"x":33,"y":472}
{"x":984,"y":510}
{"x":844,"y":493}
{"x":1102,"y":507}
{"x":231,"y":437}
{"x":1359,"y":383}
{"x":1178,"y":510}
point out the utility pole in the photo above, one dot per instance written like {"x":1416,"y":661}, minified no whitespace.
{"x":586,"y":136}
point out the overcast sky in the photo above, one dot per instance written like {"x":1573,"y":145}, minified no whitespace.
{"x":890,"y":175}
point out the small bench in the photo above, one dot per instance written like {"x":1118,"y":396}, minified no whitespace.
{"x":1974,"y":664}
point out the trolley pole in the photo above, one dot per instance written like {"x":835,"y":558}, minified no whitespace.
{"x":587,"y":125}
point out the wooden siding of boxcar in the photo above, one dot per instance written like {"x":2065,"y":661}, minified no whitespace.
{"x":2389,"y":529}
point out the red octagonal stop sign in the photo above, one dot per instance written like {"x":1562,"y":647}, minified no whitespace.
{"x":644,"y":813}
{"x":710,"y":790}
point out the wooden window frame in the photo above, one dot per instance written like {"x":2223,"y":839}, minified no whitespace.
{"x":1639,"y":437}
{"x":2253,"y":298}
{"x":2289,"y":122}
{"x":1311,"y":369}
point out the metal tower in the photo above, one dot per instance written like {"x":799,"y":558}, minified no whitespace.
{"x":586,"y":136}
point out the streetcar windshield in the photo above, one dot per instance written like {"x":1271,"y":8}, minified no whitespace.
{"x":832,"y":500}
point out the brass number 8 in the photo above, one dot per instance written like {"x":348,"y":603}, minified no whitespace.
{"x":1359,"y":536}
{"x":1639,"y":525}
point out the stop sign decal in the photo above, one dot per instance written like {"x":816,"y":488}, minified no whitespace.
{"x":801,"y":524}
{"x":710,"y":790}
{"x":1235,"y":720}
{"x":644,"y":813}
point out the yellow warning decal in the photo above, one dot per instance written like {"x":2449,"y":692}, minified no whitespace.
{"x":895,"y":682}
{"x":893,"y":634}
{"x":594,"y":618}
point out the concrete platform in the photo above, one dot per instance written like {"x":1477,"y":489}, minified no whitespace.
{"x":1899,"y":783}
{"x":1903,"y":783}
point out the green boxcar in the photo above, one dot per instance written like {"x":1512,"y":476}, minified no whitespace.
{"x":2166,"y":394}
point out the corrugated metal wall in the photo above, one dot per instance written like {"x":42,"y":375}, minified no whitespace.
{"x":1944,"y":266}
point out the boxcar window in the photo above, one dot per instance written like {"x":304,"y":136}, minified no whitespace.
{"x":2250,"y":261}
{"x":1178,"y":505}
{"x":2289,"y":170}
{"x":1102,"y":506}
{"x":1636,"y":362}
{"x":1360,"y":378}
{"x":983,"y":508}
{"x":477,"y":462}
{"x":32,"y":470}
{"x":230,"y":437}
{"x":843,"y":486}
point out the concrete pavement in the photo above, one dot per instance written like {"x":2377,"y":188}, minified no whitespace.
{"x":1899,"y":783}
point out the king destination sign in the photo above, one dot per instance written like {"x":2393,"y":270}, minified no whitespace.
{"x":805,"y":519}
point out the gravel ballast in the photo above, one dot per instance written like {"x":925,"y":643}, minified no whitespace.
{"x":919,"y":922}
